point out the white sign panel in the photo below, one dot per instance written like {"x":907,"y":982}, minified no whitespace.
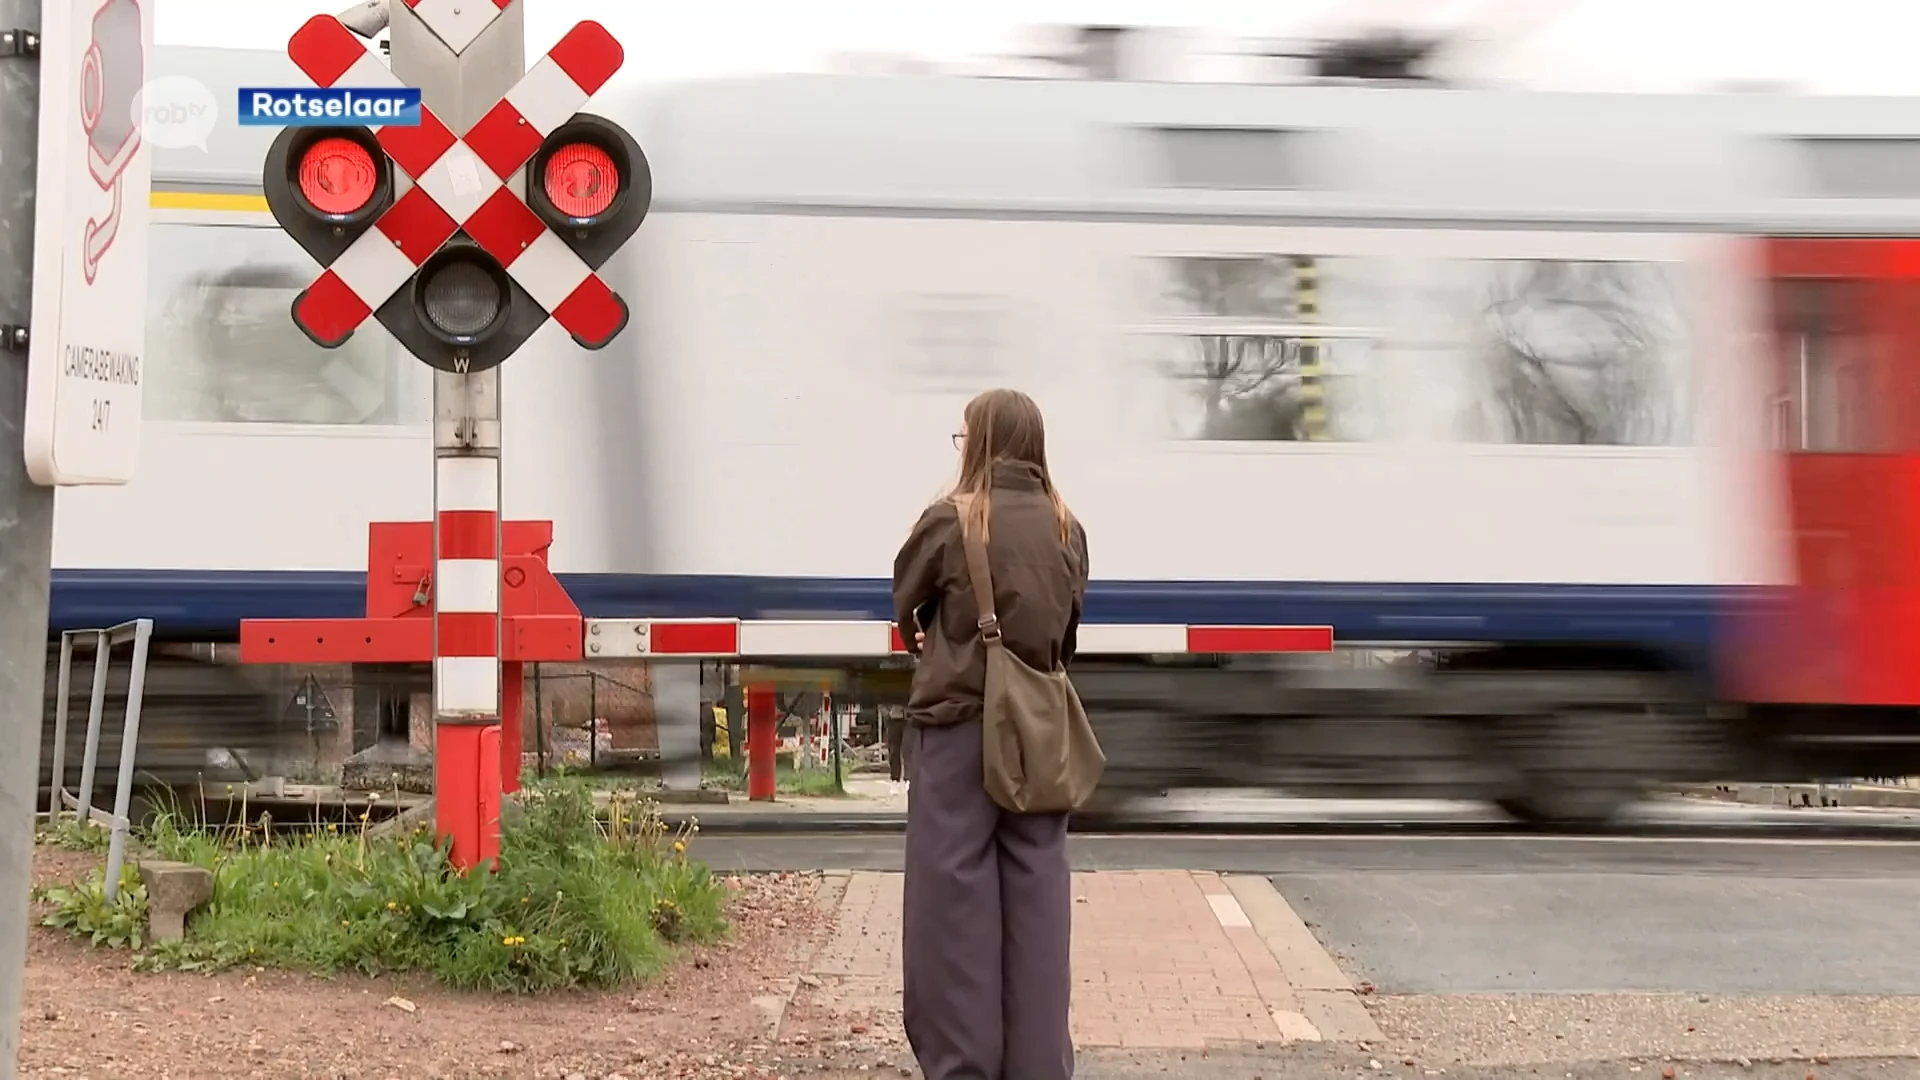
{"x":85,"y":370}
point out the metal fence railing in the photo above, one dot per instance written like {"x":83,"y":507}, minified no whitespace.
{"x":580,"y":718}
{"x":140,"y":633}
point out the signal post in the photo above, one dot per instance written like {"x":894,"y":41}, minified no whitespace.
{"x":436,"y":231}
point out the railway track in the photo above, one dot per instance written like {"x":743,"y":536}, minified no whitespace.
{"x":1677,"y":820}
{"x":199,"y":721}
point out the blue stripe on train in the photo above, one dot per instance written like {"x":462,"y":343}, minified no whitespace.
{"x":210,"y":604}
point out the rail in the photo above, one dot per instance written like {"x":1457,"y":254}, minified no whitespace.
{"x":103,"y":641}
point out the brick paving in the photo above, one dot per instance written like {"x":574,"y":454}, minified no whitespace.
{"x":1162,"y":960}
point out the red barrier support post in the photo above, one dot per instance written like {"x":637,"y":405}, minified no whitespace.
{"x":763,"y":743}
{"x":537,"y":621}
{"x":512,"y":703}
{"x":466,"y":812}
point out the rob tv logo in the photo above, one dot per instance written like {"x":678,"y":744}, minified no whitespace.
{"x":329,"y":107}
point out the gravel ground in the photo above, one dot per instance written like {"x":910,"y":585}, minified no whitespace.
{"x":88,"y":1017}
{"x":1524,"y":1029}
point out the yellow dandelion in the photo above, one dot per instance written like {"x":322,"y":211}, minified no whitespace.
{"x":391,"y":906}
{"x":365,"y":816}
{"x":679,"y":847}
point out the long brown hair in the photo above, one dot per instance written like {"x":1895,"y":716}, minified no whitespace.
{"x":1002,"y":425}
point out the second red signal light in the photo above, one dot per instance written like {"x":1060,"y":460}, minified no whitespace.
{"x":590,"y":183}
{"x":581,"y":181}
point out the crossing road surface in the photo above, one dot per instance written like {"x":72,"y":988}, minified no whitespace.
{"x":1479,"y":957}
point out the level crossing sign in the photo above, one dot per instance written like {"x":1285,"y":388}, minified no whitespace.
{"x":460,"y":268}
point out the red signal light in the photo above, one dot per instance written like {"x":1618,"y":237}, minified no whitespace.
{"x":581,"y":180}
{"x":337,"y":176}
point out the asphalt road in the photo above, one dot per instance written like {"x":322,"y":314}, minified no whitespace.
{"x":1342,"y":856}
{"x":1838,"y":921}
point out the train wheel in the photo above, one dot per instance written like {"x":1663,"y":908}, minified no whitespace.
{"x":1585,"y":761}
{"x":1135,"y":743}
{"x":1566,"y":799}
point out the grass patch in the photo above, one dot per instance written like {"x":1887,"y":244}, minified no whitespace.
{"x":72,"y":834}
{"x":574,"y":901}
{"x":729,"y":774}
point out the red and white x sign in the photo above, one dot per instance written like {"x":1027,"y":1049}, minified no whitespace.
{"x":462,"y":184}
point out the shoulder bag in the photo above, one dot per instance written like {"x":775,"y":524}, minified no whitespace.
{"x":1039,"y":750}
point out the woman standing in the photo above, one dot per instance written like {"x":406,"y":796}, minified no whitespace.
{"x":989,"y":894}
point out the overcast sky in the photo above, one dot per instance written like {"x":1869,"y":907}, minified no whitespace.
{"x":1834,"y":46}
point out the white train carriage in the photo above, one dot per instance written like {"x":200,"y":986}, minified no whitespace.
{"x":1532,"y":339}
{"x":1434,"y":367}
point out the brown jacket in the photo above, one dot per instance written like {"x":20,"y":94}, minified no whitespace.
{"x":1038,"y":587}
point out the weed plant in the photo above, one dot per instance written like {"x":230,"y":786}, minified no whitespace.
{"x":73,"y":834}
{"x":574,"y":901}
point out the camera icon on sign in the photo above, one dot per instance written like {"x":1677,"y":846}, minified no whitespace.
{"x":111,"y":74}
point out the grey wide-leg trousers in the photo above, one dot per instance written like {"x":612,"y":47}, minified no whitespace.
{"x":987,"y":924}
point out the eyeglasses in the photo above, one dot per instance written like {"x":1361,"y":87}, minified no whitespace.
{"x":959,"y":439}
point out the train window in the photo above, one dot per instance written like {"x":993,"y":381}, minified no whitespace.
{"x":1823,"y":393}
{"x":1261,"y":348}
{"x":1844,"y":168}
{"x":226,"y":349}
{"x":1236,"y":159}
{"x":1550,"y":352}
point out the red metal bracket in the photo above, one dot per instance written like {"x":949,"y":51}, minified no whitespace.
{"x":539,"y":621}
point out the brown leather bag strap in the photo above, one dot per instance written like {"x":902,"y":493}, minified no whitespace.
{"x":981,"y":575}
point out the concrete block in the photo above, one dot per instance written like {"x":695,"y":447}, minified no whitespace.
{"x":174,"y":890}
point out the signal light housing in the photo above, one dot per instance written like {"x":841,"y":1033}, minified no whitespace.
{"x":567,"y":186}
{"x":461,"y":312}
{"x":326,"y":186}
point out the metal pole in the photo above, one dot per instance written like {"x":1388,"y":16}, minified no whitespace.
{"x":539,"y":723}
{"x":460,"y":88}
{"x":26,"y":519}
{"x":96,"y":720}
{"x":129,"y":753}
{"x":62,"y":694}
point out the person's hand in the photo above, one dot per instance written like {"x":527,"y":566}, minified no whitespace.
{"x":919,"y":639}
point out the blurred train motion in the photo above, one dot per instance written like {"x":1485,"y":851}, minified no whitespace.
{"x":1599,"y":412}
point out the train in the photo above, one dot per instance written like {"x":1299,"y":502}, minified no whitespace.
{"x":1590,"y":408}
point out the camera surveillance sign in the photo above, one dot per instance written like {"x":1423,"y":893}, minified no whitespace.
{"x":88,"y":326}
